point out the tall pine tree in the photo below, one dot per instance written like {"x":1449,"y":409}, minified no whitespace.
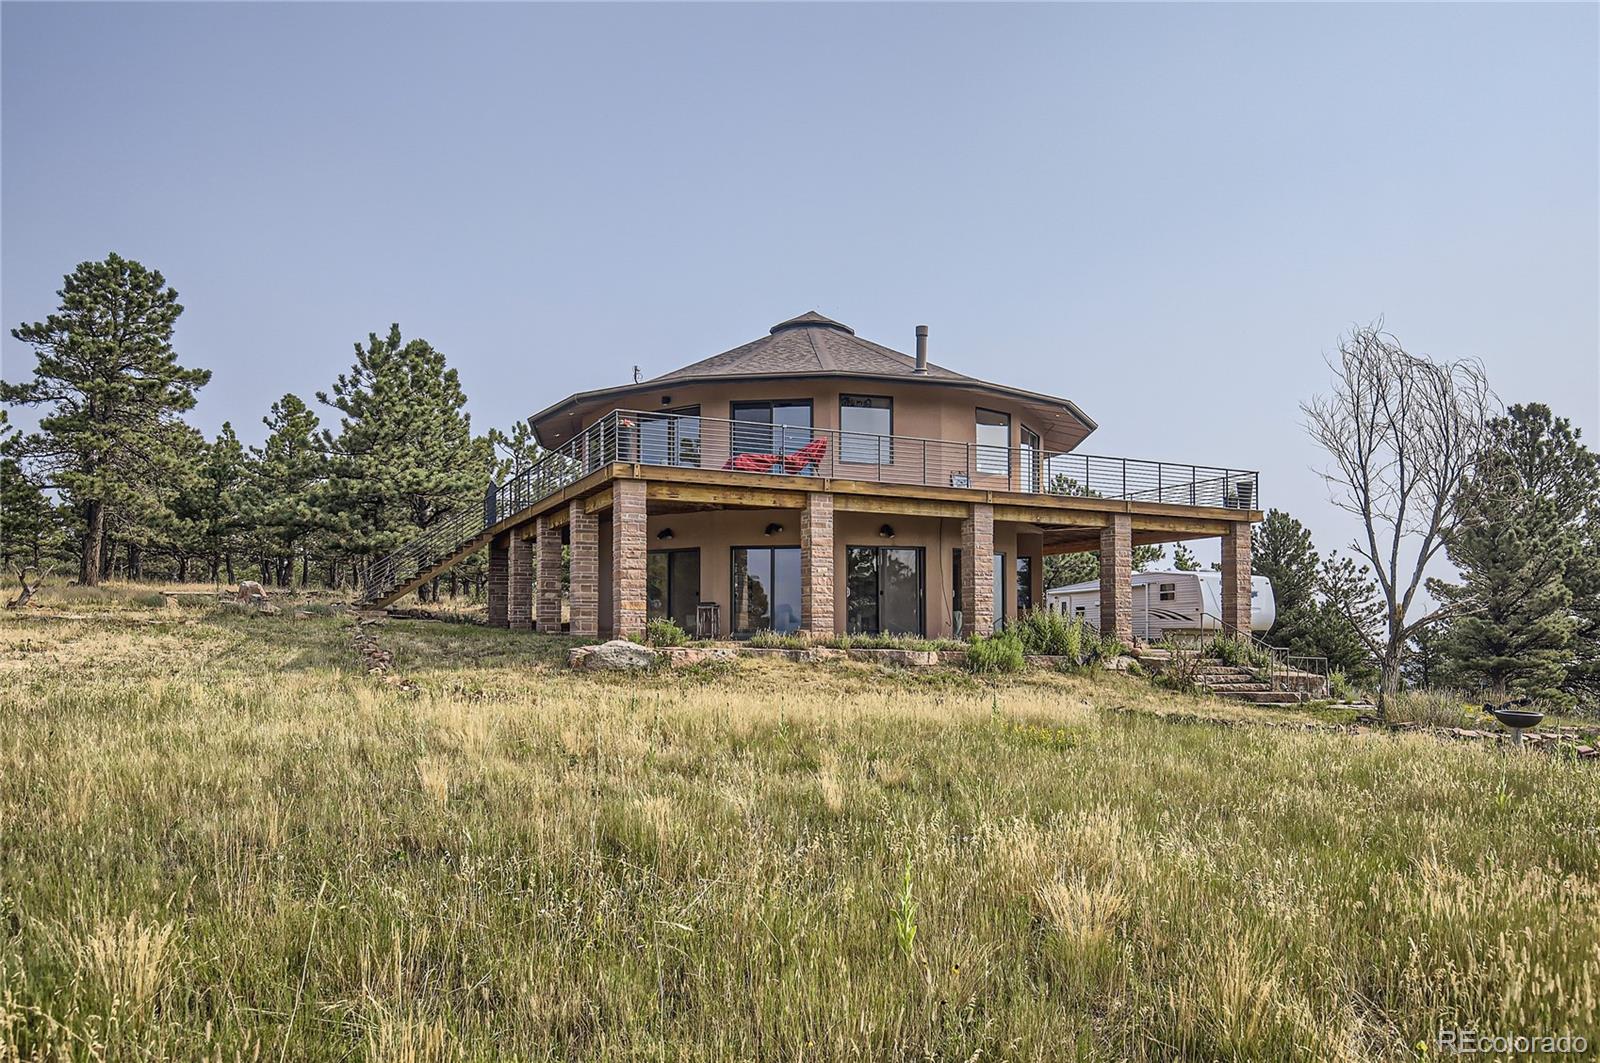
{"x":111,"y":385}
{"x":404,"y":458}
{"x":285,"y":488}
{"x":1524,"y":550}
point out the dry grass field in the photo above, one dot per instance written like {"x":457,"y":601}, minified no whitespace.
{"x":220,"y":839}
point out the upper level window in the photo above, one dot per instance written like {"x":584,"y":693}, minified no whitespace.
{"x":781,"y":426}
{"x":994,"y":443}
{"x":1169,"y":592}
{"x":865,"y":424}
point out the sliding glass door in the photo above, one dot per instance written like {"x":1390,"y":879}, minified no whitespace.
{"x":672,"y":585}
{"x":884,"y":590}
{"x":766,"y":589}
{"x":776,"y":427}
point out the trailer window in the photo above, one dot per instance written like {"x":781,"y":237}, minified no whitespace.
{"x":1080,"y":611}
{"x":1169,"y":592}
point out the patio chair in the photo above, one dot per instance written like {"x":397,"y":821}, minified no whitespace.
{"x":804,"y":461}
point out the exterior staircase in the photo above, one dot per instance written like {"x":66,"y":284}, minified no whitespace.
{"x":1238,"y":683}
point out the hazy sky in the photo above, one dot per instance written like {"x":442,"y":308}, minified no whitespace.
{"x":1165,"y":213}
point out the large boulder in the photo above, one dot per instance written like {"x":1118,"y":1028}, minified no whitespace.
{"x":618,"y":655}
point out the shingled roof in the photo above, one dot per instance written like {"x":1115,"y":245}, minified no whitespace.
{"x":809,"y":345}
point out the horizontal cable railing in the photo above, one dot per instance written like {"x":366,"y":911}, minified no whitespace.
{"x":693,"y":442}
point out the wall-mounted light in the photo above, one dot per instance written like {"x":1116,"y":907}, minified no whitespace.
{"x":886,"y":532}
{"x":664,"y":534}
{"x":666,"y":400}
{"x":774,"y":529}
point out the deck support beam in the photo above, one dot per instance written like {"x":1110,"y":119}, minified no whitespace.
{"x":547,"y":576}
{"x":1116,"y":579}
{"x":977,"y":570}
{"x":584,"y":532}
{"x":629,"y":596}
{"x":1236,"y":577}
{"x":816,"y":564}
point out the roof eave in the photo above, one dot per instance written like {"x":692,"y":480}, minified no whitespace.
{"x":1089,"y":424}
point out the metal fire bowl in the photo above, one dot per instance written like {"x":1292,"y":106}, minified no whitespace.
{"x":1518,"y":718}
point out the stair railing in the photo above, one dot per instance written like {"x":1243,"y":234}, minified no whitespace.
{"x":1282,"y":662}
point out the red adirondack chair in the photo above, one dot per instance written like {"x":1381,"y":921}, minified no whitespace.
{"x":807,"y":457}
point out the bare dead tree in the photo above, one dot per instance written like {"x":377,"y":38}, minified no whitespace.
{"x":1403,"y":431}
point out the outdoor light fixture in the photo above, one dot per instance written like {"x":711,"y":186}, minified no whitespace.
{"x":774,"y":529}
{"x":664,"y":533}
{"x":886,"y":532}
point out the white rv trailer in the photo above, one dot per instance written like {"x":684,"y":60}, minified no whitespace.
{"x":1167,"y":601}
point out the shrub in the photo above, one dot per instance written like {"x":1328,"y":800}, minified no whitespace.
{"x":1339,"y":686}
{"x":1430,"y":708}
{"x":664,"y":631}
{"x":996,"y":654}
{"x":772,"y":640}
{"x":1043,"y":632}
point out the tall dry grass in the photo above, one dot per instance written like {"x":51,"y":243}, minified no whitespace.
{"x":220,"y":840}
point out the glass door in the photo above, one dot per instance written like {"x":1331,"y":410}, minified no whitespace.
{"x":884,"y":590}
{"x":766,"y":589}
{"x":672,"y":585}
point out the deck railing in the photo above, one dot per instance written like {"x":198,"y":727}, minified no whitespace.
{"x":692,"y":442}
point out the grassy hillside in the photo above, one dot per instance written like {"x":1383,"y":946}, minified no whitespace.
{"x":219,"y":838}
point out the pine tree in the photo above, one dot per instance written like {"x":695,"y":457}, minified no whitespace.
{"x":110,"y":380}
{"x":284,"y":494}
{"x":1512,"y":619}
{"x":30,"y":527}
{"x":1183,"y":559}
{"x":1283,"y":552}
{"x":405,"y":457}
{"x":1553,"y":466}
{"x":212,"y":505}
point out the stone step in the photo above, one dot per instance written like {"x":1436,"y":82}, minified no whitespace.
{"x":1241,"y":686}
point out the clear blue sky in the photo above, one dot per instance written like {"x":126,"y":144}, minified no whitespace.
{"x":1166,"y":213}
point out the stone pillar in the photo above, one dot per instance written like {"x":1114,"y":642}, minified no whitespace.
{"x":499,"y":555}
{"x":629,"y":595}
{"x":1116,"y":578}
{"x":977,"y":571}
{"x":584,"y":531}
{"x":547,"y":577}
{"x":1236,"y":576}
{"x":519,"y":583}
{"x":816,"y":564}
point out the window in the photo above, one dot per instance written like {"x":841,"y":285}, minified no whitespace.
{"x":1024,"y":584}
{"x":865,"y":424}
{"x":671,"y":438}
{"x":1169,"y":592}
{"x":994,"y":443}
{"x":779,"y":427}
{"x":955,"y":586}
{"x":766,"y":589}
{"x":1080,"y":611}
{"x":883,"y":590}
{"x":1032,"y":459}
{"x":672,"y":585}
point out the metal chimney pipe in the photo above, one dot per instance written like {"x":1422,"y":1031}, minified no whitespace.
{"x":922,"y":349}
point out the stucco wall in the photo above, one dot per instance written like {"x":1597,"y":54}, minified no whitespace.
{"x":716,"y":533}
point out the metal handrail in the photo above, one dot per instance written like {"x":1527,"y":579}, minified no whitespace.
{"x":1280,"y":656}
{"x":685,"y":441}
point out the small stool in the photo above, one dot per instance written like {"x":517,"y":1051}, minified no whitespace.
{"x":706,"y":622}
